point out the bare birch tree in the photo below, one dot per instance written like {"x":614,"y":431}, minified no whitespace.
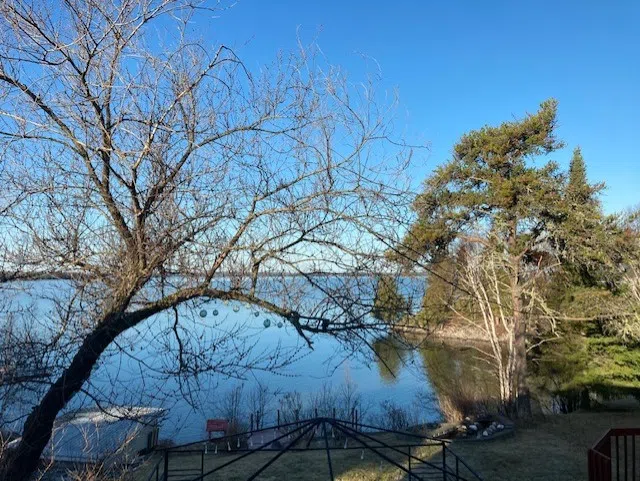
{"x":145,"y":170}
{"x":489,"y":310}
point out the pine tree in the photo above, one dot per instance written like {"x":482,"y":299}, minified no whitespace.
{"x":490,"y":196}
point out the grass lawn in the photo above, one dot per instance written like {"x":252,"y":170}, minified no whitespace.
{"x":553,"y":449}
{"x":348,"y":464}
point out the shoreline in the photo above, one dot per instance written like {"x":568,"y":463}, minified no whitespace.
{"x":444,"y":333}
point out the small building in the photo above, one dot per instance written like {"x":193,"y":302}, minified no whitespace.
{"x":113,"y":435}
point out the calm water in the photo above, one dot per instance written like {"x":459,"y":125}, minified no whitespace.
{"x":401,"y":378}
{"x":272,"y":359}
{"x":253,"y":358}
{"x":246,"y":353}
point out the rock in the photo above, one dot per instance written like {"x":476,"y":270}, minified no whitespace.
{"x":484,"y":419}
{"x":473,"y":427}
{"x":485,"y":433}
{"x":500,"y":427}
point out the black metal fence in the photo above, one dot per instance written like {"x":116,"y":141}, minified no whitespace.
{"x":300,"y":436}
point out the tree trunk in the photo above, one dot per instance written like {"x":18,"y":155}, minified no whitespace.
{"x":21,"y":462}
{"x":522,"y":406}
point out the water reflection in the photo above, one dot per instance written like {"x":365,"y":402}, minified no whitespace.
{"x":391,"y":356}
{"x":461,"y":380}
{"x":457,"y":377}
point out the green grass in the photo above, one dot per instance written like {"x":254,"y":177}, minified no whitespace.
{"x":550,"y":449}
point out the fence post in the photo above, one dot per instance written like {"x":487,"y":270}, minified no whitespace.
{"x":633,"y":456}
{"x":202,"y":463}
{"x":410,"y":476}
{"x":444,"y":461}
{"x":166,"y":465}
{"x":278,"y":417}
{"x":457,"y":469}
{"x":626,"y":474}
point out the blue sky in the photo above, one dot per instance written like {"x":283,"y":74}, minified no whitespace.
{"x":460,"y":64}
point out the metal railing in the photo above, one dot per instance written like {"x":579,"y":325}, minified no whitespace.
{"x":157,"y":473}
{"x":297,"y":437}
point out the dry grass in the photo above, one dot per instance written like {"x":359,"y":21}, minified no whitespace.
{"x":348,"y":464}
{"x":550,"y":449}
{"x":554,"y":449}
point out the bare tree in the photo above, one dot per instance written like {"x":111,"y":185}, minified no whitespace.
{"x":623,"y":319}
{"x":153,"y":174}
{"x":490,"y":311}
{"x":260,"y":402}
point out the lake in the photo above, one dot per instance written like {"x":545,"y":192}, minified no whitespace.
{"x":237,"y":360}
{"x":367,"y":378}
{"x":271,"y":365}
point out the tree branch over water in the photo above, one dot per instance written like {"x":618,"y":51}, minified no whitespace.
{"x":145,"y":170}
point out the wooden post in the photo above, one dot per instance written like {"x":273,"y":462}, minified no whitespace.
{"x":617,"y":457}
{"x":410,"y":476}
{"x":202,"y":463}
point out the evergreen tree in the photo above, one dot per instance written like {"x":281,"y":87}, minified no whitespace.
{"x":441,"y":291}
{"x":579,"y":193}
{"x":586,"y":239}
{"x":389,"y":305}
{"x":490,"y":195}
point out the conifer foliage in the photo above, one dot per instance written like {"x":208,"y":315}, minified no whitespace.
{"x":492,"y":196}
{"x":389,"y":304}
{"x":538,"y":247}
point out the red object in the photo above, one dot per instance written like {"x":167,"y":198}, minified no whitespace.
{"x":623,"y":440}
{"x":217,"y":425}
